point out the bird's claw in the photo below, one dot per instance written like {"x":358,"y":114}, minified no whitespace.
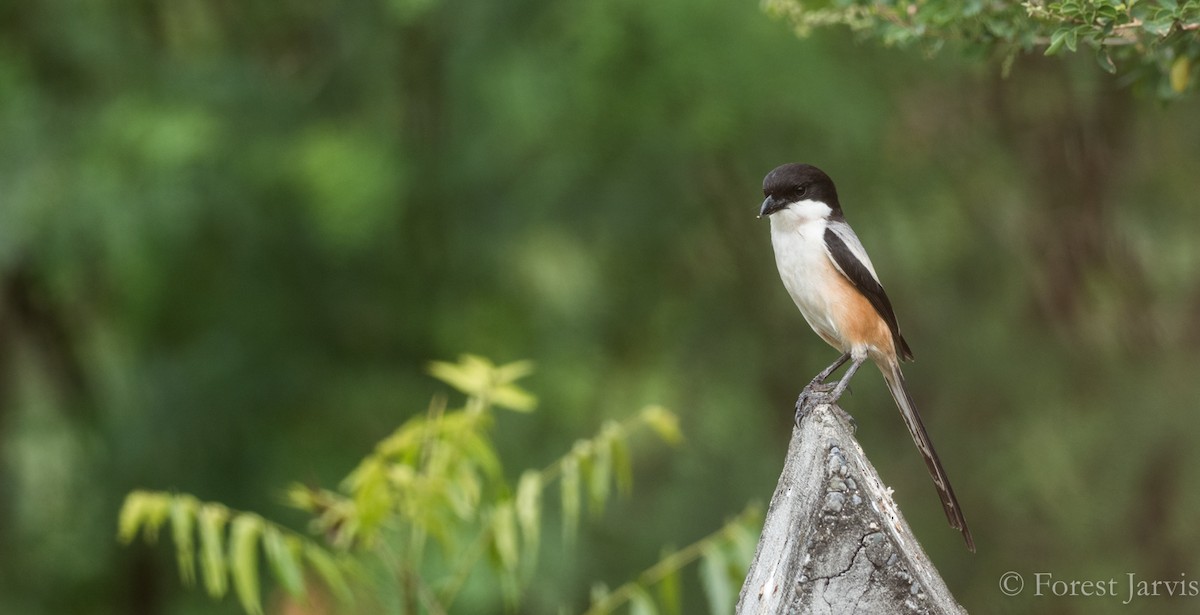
{"x":819,"y":393}
{"x":816,"y":391}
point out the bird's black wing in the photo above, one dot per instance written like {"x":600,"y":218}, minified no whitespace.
{"x":861,"y":277}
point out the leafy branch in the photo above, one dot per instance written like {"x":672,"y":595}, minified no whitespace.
{"x":229,"y":554}
{"x":437,"y":476}
{"x":1154,"y":42}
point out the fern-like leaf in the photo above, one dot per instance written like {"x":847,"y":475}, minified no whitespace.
{"x":212,"y":519}
{"x":504,"y":537}
{"x":329,"y":571}
{"x":570,"y":496}
{"x":244,"y":535}
{"x":469,"y":375}
{"x":670,"y":596}
{"x":714,"y":578}
{"x":529,"y":510}
{"x":142,"y":510}
{"x":183,"y":524}
{"x":664,"y":423}
{"x":640,"y":603}
{"x":281,"y":552}
{"x":599,"y":475}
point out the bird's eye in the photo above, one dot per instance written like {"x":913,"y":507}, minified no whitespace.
{"x":801,"y":191}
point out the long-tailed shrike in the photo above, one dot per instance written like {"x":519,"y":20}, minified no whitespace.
{"x":827,"y":272}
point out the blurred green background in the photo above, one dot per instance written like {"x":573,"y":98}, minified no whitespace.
{"x":232,"y":235}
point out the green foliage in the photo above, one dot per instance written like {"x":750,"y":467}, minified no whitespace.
{"x":1154,"y":41}
{"x":485,"y":383}
{"x":212,"y":556}
{"x":228,"y":243}
{"x":232,"y":554}
{"x":438,"y":475}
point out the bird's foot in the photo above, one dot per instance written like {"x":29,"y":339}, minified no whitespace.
{"x":801,"y":412}
{"x":802,"y":405}
{"x":810,"y":399}
{"x":818,"y":385}
{"x":816,"y":392}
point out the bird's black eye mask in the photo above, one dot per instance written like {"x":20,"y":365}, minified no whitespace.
{"x":789,"y":195}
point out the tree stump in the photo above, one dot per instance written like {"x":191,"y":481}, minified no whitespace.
{"x":833,"y":540}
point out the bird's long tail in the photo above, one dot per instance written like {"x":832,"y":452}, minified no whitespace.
{"x":908,"y":410}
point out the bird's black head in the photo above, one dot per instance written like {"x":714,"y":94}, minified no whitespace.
{"x":796,"y":182}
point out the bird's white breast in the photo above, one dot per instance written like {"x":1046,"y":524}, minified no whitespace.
{"x":798,"y":236}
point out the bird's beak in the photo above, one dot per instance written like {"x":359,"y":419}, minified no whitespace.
{"x":771,"y":205}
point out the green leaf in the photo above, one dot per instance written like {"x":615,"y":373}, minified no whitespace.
{"x":183,"y":525}
{"x":1072,"y":39}
{"x":212,"y":556}
{"x":329,"y":571}
{"x":480,"y":378}
{"x":476,"y":364}
{"x":243,"y":561}
{"x":514,"y":398}
{"x":640,"y":603}
{"x":145,"y":510}
{"x":301,"y":497}
{"x":599,"y":477}
{"x":1159,"y":26}
{"x":529,"y":509}
{"x":471,"y":375}
{"x":281,"y":554}
{"x":1056,"y":41}
{"x":669,"y":594}
{"x":663,"y":422}
{"x":479,"y":449}
{"x":462,"y":489}
{"x":504,"y":536}
{"x":744,"y":545}
{"x":570,"y":496}
{"x":714,"y":578}
{"x":372,"y":496}
{"x":1104,"y":59}
{"x":1007,"y":63}
{"x":1180,"y":73}
{"x":511,"y":372}
{"x":406,"y":441}
{"x":130,"y":518}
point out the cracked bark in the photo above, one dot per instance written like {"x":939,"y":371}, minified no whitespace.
{"x":834,"y":541}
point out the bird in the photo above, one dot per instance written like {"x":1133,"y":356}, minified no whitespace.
{"x":827,"y":272}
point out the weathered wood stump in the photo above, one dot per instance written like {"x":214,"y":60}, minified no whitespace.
{"x":833,"y":540}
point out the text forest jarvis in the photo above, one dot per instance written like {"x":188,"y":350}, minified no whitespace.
{"x":827,"y":272}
